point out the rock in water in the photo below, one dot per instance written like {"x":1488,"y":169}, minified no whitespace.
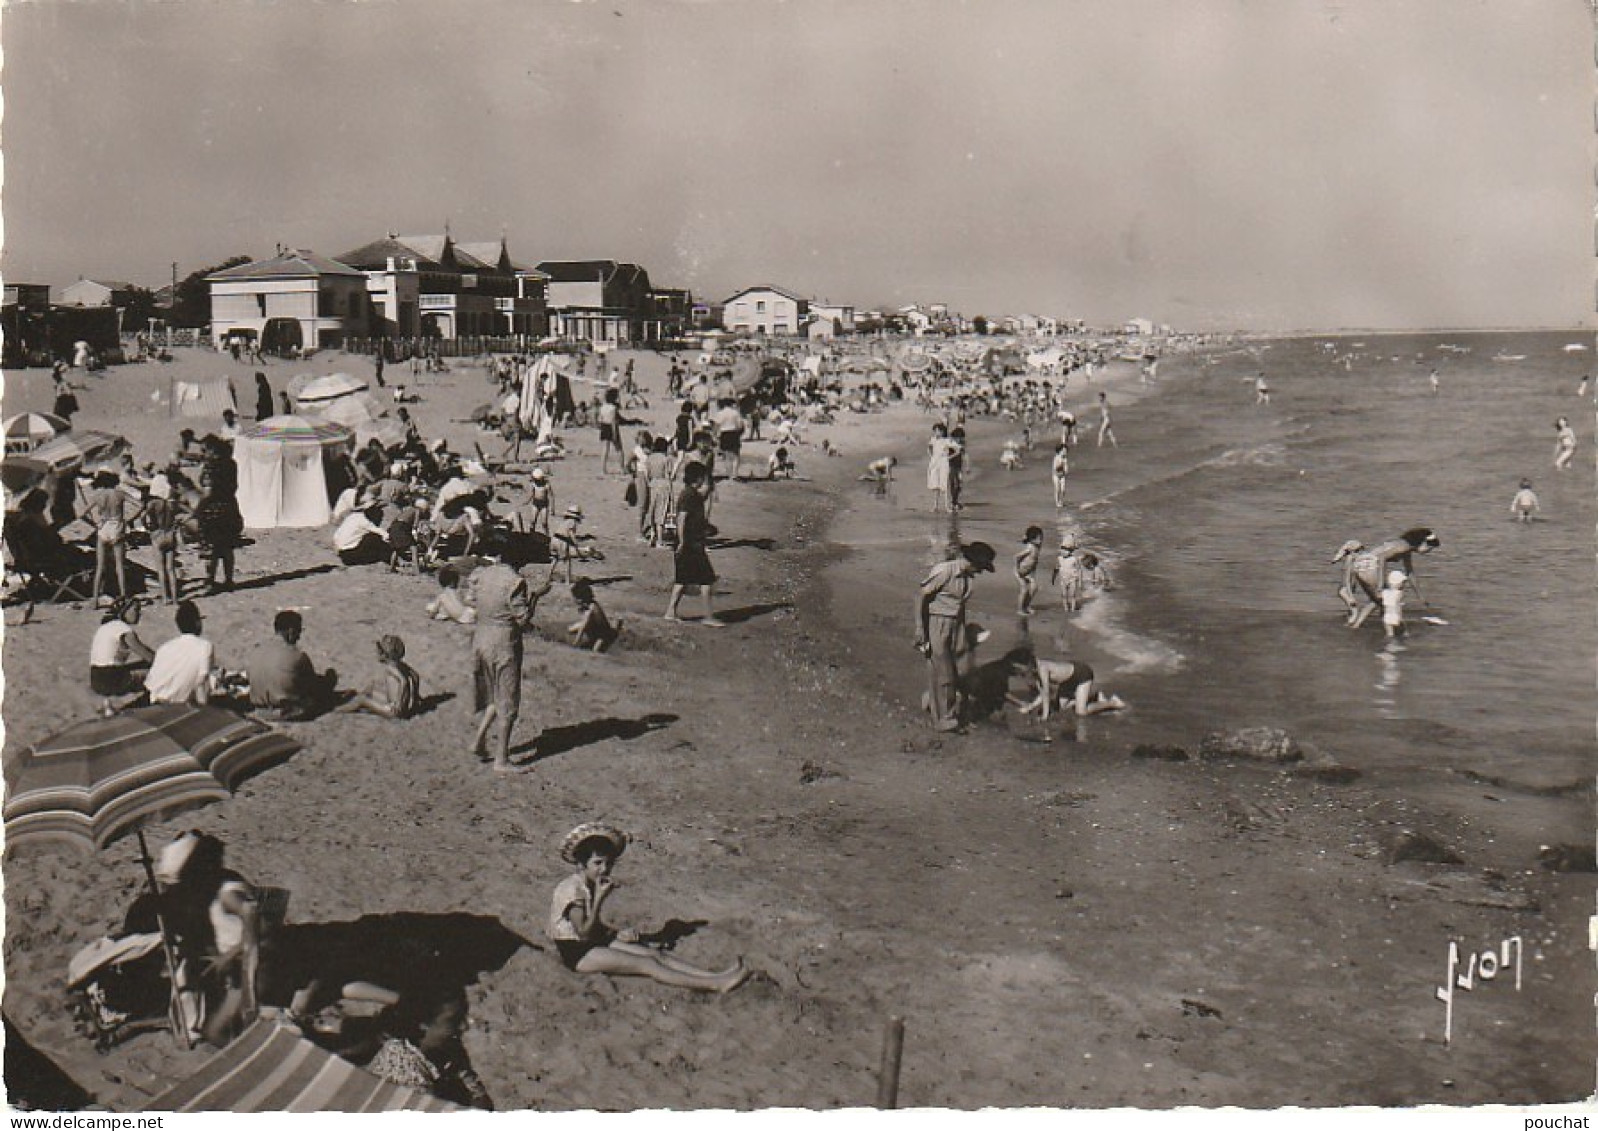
{"x":1408,"y":844}
{"x":1568,"y":858}
{"x":1254,"y":744}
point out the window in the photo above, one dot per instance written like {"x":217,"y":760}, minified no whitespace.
{"x":260,"y":305}
{"x":760,"y":307}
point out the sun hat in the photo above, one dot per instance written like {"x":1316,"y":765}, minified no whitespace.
{"x":540,"y":474}
{"x":979,"y":554}
{"x":574,"y":511}
{"x":593,"y":830}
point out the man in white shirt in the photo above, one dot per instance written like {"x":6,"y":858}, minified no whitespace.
{"x":359,"y":540}
{"x":181,"y":670}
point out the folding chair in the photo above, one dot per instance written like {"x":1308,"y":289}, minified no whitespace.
{"x":49,"y":577}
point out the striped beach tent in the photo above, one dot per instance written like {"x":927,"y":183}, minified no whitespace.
{"x":270,"y":1067}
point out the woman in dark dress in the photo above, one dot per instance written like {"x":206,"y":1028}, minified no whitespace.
{"x":692,"y":562}
{"x":263,"y":397}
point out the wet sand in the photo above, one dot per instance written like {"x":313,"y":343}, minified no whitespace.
{"x":1059,"y":925}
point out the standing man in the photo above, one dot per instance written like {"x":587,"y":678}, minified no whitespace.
{"x":730,"y":435}
{"x":1105,"y":431}
{"x":940,"y":628}
{"x":378,"y":364}
{"x":504,"y":609}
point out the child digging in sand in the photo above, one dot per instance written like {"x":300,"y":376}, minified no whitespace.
{"x":589,"y":946}
{"x":1525,"y":503}
{"x":592,"y":628}
{"x":394,"y":697}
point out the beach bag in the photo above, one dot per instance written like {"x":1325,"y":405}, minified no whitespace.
{"x":631,"y":494}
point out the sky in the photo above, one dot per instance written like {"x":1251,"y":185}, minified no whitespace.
{"x":1233,"y":164}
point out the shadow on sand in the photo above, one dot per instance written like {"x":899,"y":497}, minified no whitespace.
{"x":563,"y":740}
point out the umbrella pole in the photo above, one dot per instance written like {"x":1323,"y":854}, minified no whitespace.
{"x":180,"y":1025}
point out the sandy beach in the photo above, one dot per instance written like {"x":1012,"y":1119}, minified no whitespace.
{"x":1065,"y":925}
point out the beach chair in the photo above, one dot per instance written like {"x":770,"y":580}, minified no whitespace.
{"x":54,"y":579}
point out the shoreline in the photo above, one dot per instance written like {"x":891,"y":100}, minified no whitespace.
{"x":1020,"y":905}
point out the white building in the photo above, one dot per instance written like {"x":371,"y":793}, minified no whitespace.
{"x":841,"y":317}
{"x":765,"y":310}
{"x":92,"y":292}
{"x":295,"y":299}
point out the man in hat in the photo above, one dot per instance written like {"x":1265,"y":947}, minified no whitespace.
{"x":940,"y":627}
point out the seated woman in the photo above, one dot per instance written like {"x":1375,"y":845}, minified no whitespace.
{"x":118,"y":659}
{"x":449,"y":604}
{"x":423,"y":1048}
{"x":395,"y":695}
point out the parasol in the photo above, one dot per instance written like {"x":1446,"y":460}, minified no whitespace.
{"x":351,"y":411}
{"x":270,"y":1067}
{"x":97,"y":780}
{"x":27,"y":430}
{"x":297,"y":430}
{"x":330,"y":388}
{"x":71,"y":451}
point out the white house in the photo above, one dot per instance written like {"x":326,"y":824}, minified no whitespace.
{"x":93,"y":292}
{"x":765,"y":310}
{"x":295,"y":299}
{"x":841,"y":317}
{"x":1141,"y":327}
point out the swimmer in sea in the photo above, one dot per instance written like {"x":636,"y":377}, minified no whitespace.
{"x":1346,"y":554}
{"x":1262,"y":391}
{"x":1369,"y":568}
{"x":1565,"y":445}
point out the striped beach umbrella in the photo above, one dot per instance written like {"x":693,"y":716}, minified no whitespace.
{"x":27,"y":430}
{"x":105,"y":777}
{"x":299,"y":430}
{"x":270,"y":1067}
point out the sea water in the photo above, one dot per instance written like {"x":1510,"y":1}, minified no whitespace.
{"x":1219,"y":517}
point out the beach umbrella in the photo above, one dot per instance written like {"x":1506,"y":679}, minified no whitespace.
{"x":329,"y":388}
{"x":270,"y":1067}
{"x":351,"y":411}
{"x":100,"y":779}
{"x":71,"y":451}
{"x":297,"y":430}
{"x":27,"y":430}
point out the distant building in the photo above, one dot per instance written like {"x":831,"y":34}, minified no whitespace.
{"x":765,"y":310}
{"x":600,"y":300}
{"x":93,"y":292}
{"x":430,"y":286}
{"x":33,"y":297}
{"x":674,"y":311}
{"x":1140,"y":327}
{"x":841,"y":317}
{"x":295,"y":299}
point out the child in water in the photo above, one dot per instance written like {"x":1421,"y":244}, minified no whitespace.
{"x":1095,"y":578}
{"x":1026,"y":566}
{"x":1393,"y":603}
{"x":1068,"y":575}
{"x":588,"y":945}
{"x":592,"y":628}
{"x":879,"y":473}
{"x":780,"y":465}
{"x":1525,"y":504}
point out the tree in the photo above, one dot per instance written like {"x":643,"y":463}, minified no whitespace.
{"x":191,"y":302}
{"x":979,"y":325}
{"x":139,"y":310}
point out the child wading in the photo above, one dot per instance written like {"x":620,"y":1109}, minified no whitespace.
{"x":589,"y":946}
{"x":1026,"y":568}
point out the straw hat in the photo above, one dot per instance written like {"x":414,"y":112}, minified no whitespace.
{"x":590,"y":830}
{"x":540,"y":474}
{"x":574,"y":511}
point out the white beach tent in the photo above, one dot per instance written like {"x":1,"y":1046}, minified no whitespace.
{"x":281,"y":479}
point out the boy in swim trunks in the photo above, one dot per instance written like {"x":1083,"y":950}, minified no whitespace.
{"x":1069,"y":685}
{"x":1525,"y":504}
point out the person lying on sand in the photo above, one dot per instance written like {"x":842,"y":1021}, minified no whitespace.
{"x":1067,"y":684}
{"x":395,"y":695}
{"x":592,"y":628}
{"x":588,"y":945}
